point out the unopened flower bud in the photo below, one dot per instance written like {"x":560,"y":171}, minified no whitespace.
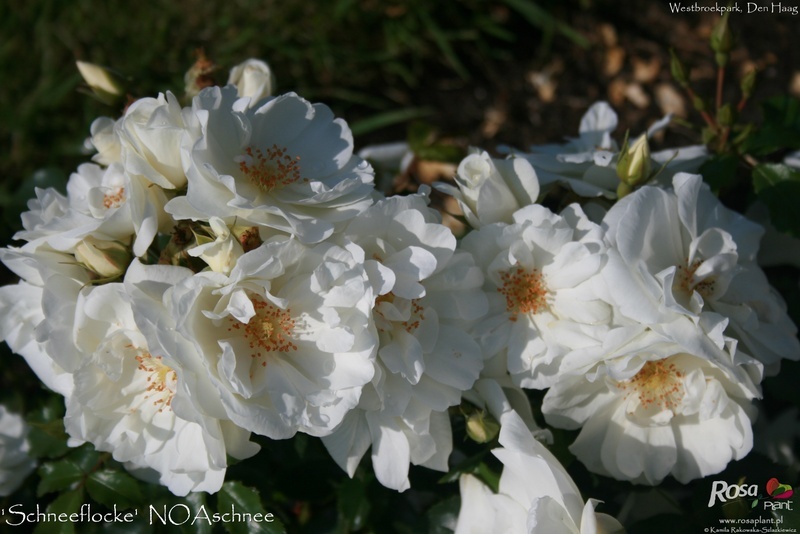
{"x":699,"y":104}
{"x":200,"y":75}
{"x":253,"y":79}
{"x":217,"y":246}
{"x":708,"y":135}
{"x":624,"y":190}
{"x":725,"y":115}
{"x":722,"y":40}
{"x":678,"y":71}
{"x":104,"y":85}
{"x":634,"y":164}
{"x":109,"y":259}
{"x":482,"y":427}
{"x":748,"y":84}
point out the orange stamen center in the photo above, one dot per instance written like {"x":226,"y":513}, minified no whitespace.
{"x":115,"y":199}
{"x":415,"y":318}
{"x":658,"y":383}
{"x":271,"y":169}
{"x":524,"y":290}
{"x":269,"y":330}
{"x":161,"y":380}
{"x":685,"y":280}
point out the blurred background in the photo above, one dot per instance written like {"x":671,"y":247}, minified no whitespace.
{"x":480,"y":72}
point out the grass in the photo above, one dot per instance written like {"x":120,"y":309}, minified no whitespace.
{"x":365,"y":58}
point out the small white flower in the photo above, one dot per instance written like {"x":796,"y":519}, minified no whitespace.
{"x":253,"y":79}
{"x":681,"y":252}
{"x":46,"y":215}
{"x":587,"y":164}
{"x":221,"y":253}
{"x":153,"y":139}
{"x":105,"y":141}
{"x":37,"y":313}
{"x":108,"y":259}
{"x":103,"y":204}
{"x":634,"y":165}
{"x":99,"y":79}
{"x":490,"y":190}
{"x":15,"y":462}
{"x":536,"y":494}
{"x":650,"y":403}
{"x":286,"y":164}
{"x":539,"y":275}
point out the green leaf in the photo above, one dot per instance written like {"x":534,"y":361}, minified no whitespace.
{"x":68,"y":503}
{"x":300,"y":445}
{"x":197,"y":502}
{"x":56,"y":476}
{"x":87,"y":458}
{"x":783,"y":110}
{"x":441,"y":152}
{"x":354,"y":506}
{"x":237,"y":498}
{"x":770,"y":174}
{"x":790,"y":519}
{"x":781,"y":127}
{"x":47,"y":436}
{"x":719,"y":172}
{"x":474,"y":465}
{"x":110,"y":487}
{"x":778,"y":186}
{"x":442,"y":514}
{"x":489,"y":477}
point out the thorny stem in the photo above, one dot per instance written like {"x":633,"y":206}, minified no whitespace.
{"x":706,"y":117}
{"x":720,"y":82}
{"x":723,"y":139}
{"x":742,"y":103}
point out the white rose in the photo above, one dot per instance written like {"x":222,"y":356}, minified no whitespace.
{"x":127,"y":400}
{"x":286,"y":164}
{"x":652,"y":403}
{"x":540,"y":276}
{"x":426,"y":294}
{"x":680,"y":252}
{"x":490,"y":190}
{"x":253,"y":79}
{"x":586,"y":164}
{"x":285,"y":338}
{"x":153,"y":139}
{"x":105,"y":141}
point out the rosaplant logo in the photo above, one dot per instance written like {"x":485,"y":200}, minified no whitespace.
{"x":777,"y":497}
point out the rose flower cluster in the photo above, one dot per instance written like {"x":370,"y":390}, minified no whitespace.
{"x":229,"y":268}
